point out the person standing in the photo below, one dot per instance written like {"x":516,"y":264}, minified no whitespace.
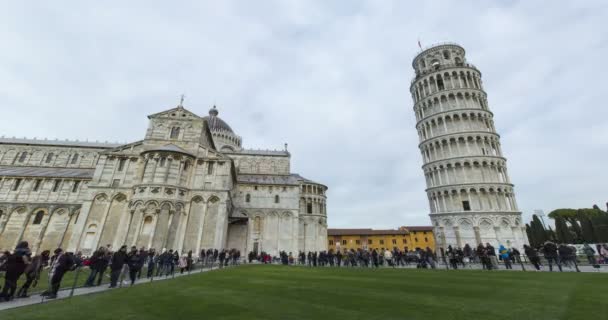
{"x":97,"y":263}
{"x":430,"y":257}
{"x":116,"y":265}
{"x":604,"y":252}
{"x":189,"y":261}
{"x":183,"y":263}
{"x":62,"y":264}
{"x":504,"y":255}
{"x":133,"y":261}
{"x":492,"y":255}
{"x":151,"y":262}
{"x":388,"y":257}
{"x":32,"y":272}
{"x":15,"y":266}
{"x":174,"y":261}
{"x":482,"y":253}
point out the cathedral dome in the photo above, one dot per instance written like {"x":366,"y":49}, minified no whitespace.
{"x":215,"y":123}
{"x":224,"y":138}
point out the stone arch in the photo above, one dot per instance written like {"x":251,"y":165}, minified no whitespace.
{"x":90,"y":234}
{"x":136,"y":204}
{"x":109,"y":228}
{"x":210,"y":223}
{"x":101,"y":197}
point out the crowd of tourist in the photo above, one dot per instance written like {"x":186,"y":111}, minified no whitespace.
{"x":485,"y":255}
{"x":131,"y":263}
{"x":120,"y":263}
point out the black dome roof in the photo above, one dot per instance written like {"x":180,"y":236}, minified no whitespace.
{"x":215,"y":123}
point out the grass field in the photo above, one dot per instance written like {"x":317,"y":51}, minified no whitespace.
{"x":278,"y":292}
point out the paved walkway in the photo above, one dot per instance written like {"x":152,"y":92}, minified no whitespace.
{"x":67,"y":293}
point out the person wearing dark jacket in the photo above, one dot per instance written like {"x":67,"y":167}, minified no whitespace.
{"x":15,"y":266}
{"x":97,"y":263}
{"x":63,"y":263}
{"x":151,"y":262}
{"x":532,"y":256}
{"x":32,"y":272}
{"x":222,"y":257}
{"x":491,"y":252}
{"x":134,"y":263}
{"x":550,"y":252}
{"x":116,"y":264}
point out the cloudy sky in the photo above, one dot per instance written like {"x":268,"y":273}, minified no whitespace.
{"x":331,"y":78}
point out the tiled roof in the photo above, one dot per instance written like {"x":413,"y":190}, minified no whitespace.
{"x":364,"y":232}
{"x":67,"y":143}
{"x":267,"y":179}
{"x":417,"y":228}
{"x":17,"y":171}
{"x":300,"y":178}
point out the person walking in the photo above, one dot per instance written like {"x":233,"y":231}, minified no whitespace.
{"x":550,"y":252}
{"x":15,"y":266}
{"x":32,"y":272}
{"x":590,"y":254}
{"x":532,"y":255}
{"x":119,"y":259}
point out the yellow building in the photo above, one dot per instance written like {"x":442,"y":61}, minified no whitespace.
{"x":408,"y":238}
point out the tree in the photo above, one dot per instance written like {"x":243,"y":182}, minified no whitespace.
{"x":587,"y":233}
{"x":562,"y":231}
{"x":551,"y":234}
{"x":566,"y":213}
{"x":600,"y":227}
{"x":576,"y":231}
{"x":531,"y":237}
{"x":539,"y":234}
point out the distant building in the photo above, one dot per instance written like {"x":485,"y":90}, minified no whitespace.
{"x":408,"y":238}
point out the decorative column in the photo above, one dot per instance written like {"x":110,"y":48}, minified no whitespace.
{"x":169,"y":223}
{"x":156,"y":218}
{"x":477,"y":235}
{"x":458,"y":239}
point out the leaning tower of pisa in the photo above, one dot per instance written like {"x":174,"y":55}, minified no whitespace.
{"x":470,"y":194}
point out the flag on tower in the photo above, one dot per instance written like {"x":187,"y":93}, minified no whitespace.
{"x":419,"y":45}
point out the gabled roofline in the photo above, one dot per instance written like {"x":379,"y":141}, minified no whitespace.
{"x":174,"y":109}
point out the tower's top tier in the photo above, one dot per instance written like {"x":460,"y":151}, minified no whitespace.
{"x":438,"y":57}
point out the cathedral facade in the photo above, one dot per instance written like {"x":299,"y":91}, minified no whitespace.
{"x":188,"y":185}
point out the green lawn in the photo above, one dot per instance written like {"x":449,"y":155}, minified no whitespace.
{"x":277,"y":292}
